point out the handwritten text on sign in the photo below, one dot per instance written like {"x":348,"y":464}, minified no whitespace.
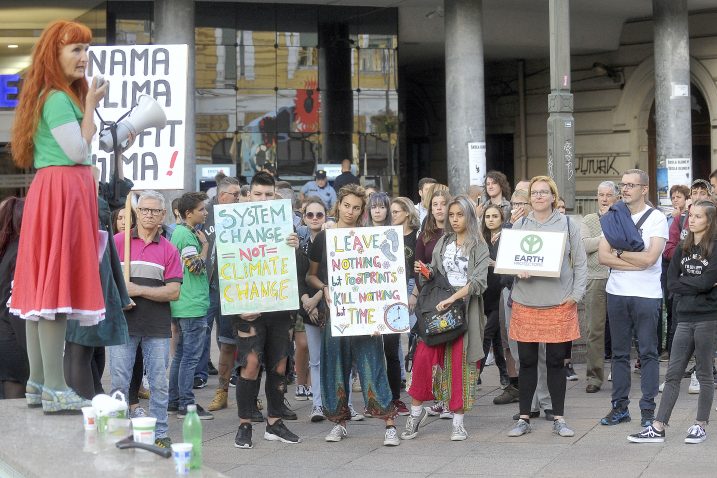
{"x":367,"y":280}
{"x":156,"y":159}
{"x":257,"y":269}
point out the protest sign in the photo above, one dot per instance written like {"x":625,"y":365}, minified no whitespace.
{"x":257,"y":269}
{"x":536,"y":252}
{"x":156,"y":159}
{"x":367,"y":280}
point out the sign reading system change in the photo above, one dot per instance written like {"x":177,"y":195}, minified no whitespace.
{"x":536,"y":252}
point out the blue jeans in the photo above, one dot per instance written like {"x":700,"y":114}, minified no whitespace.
{"x":213,"y":312}
{"x":155,"y":352}
{"x":186,"y":357}
{"x":638,"y":314}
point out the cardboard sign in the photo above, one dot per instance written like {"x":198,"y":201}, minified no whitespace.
{"x":257,"y":269}
{"x":536,"y":252}
{"x":156,"y":159}
{"x":367,"y":280}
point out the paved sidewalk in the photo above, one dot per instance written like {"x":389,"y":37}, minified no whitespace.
{"x":595,"y":450}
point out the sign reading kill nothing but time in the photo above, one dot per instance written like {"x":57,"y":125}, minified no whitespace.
{"x":257,"y":269}
{"x":367,"y":280}
{"x":537,"y":252}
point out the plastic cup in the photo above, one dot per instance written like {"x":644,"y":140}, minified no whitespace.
{"x":143,"y":429}
{"x":89,"y":418}
{"x":182,"y":453}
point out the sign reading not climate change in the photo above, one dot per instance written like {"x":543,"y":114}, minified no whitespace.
{"x":536,"y":252}
{"x":257,"y":269}
{"x":156,"y":159}
{"x":367,"y":281}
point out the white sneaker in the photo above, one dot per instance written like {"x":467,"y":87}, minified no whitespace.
{"x":355,"y":416}
{"x":490,"y":359}
{"x":391,"y":437}
{"x":317,"y":414}
{"x":337,"y":433}
{"x":459,"y":433}
{"x":694,"y":384}
{"x":435,"y":409}
{"x":446,"y":414}
{"x":695,"y":434}
{"x":609,"y":377}
{"x":662,"y":387}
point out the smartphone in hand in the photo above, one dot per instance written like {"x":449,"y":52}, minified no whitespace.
{"x":423,"y":270}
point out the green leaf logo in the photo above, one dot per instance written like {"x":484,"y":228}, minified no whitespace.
{"x":531,"y":244}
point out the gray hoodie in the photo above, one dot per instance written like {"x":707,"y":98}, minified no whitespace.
{"x":551,"y":291}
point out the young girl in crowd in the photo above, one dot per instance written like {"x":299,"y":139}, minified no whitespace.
{"x":545,"y":308}
{"x":437,"y":199}
{"x":691,"y":277}
{"x":339,"y":353}
{"x":378,"y":208}
{"x":14,"y":368}
{"x":57,"y":275}
{"x":462,"y":257}
{"x":491,"y":226}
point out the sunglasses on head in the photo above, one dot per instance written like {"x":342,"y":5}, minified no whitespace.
{"x":311,"y":215}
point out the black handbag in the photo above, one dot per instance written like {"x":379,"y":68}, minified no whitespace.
{"x":435,"y":327}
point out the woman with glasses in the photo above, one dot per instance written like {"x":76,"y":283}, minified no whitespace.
{"x":57,"y":276}
{"x":462,"y":257}
{"x":307,"y":331}
{"x":545,"y":308}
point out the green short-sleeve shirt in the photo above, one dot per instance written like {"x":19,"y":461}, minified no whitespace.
{"x":194,"y":294}
{"x":58,"y":110}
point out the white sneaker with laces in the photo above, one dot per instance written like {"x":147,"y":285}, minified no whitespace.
{"x":694,"y":384}
{"x":459,"y":433}
{"x":138,"y":412}
{"x":446,"y":415}
{"x":696,"y":434}
{"x":391,"y":437}
{"x":355,"y":416}
{"x":337,"y":433}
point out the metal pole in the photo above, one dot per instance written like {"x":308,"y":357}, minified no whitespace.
{"x":561,"y":125}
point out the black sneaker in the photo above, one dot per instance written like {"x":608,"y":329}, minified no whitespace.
{"x":549,"y":415}
{"x":648,"y":435}
{"x":243,"y":438}
{"x":647,"y":417}
{"x":696,"y":434}
{"x":279,"y":432}
{"x":616,"y":415}
{"x":199,"y":382}
{"x":516,"y":417}
{"x":510,"y":394}
{"x":287,"y":413}
{"x":172,"y":409}
{"x":211,"y":369}
{"x":233,"y":381}
{"x":570,"y":372}
{"x":256,"y":416}
{"x":202,"y":413}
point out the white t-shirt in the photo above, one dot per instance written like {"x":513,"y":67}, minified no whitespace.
{"x":644,"y":283}
{"x":456,"y":265}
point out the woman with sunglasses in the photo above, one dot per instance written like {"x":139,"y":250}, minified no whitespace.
{"x":307,"y":332}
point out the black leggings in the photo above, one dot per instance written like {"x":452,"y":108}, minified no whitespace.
{"x":98,"y":368}
{"x":137,"y":373}
{"x":393,"y":363}
{"x":491,"y":336}
{"x":528,"y":379}
{"x":78,"y":369}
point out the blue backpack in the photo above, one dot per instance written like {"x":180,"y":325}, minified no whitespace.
{"x":619,"y":230}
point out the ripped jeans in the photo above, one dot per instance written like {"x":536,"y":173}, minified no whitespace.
{"x":269,"y":337}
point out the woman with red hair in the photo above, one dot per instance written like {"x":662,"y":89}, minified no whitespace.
{"x":57,"y":272}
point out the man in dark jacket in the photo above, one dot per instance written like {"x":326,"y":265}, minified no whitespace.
{"x":346,"y":177}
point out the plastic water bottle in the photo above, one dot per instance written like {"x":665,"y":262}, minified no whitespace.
{"x":192,"y":433}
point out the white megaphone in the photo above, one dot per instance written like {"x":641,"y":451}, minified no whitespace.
{"x":147,"y":114}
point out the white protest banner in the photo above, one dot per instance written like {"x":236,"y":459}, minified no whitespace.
{"x":476,"y":163}
{"x":536,"y":252}
{"x":367,"y":280}
{"x":156,"y":159}
{"x":257,"y":269}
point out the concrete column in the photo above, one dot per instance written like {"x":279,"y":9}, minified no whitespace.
{"x":673,"y":114}
{"x":465,"y":97}
{"x":174,"y":24}
{"x":337,"y":117}
{"x":561,"y":125}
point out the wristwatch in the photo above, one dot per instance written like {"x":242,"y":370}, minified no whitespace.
{"x":618,"y":252}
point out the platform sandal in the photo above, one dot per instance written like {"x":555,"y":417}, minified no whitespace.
{"x":63,"y":402}
{"x":33,"y":394}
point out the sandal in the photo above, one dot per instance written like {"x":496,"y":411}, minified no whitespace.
{"x":33,"y":394}
{"x":63,"y":402}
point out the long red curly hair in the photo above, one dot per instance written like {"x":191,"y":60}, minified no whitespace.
{"x":44,"y":75}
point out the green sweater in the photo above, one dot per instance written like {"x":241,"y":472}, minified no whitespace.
{"x":590,"y":233}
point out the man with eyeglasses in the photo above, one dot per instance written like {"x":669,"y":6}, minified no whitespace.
{"x":228,"y":192}
{"x":595,"y":296}
{"x":155,"y":280}
{"x":634,"y":297}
